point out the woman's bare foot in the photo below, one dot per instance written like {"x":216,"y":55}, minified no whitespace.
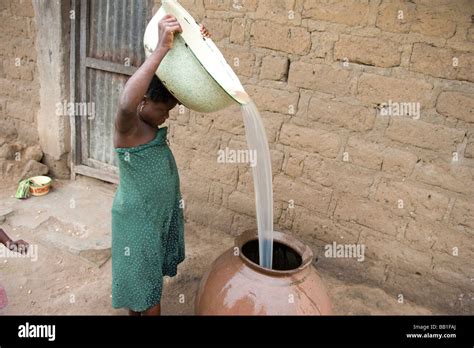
{"x":156,"y":310}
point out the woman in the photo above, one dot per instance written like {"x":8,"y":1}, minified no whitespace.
{"x":147,"y":216}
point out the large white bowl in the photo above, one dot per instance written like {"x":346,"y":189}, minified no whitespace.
{"x":194,"y":70}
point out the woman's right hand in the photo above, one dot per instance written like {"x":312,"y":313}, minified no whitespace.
{"x":166,"y":29}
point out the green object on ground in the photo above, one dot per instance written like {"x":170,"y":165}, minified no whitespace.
{"x":23,"y":190}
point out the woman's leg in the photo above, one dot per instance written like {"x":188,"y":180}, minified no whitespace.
{"x":133,"y":314}
{"x":156,"y":310}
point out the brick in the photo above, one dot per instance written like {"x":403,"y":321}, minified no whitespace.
{"x":434,"y":21}
{"x":274,"y":100}
{"x":368,"y":51}
{"x":14,"y":26}
{"x":349,"y":12}
{"x":210,"y":215}
{"x":342,"y":177}
{"x":447,"y":239}
{"x":277,"y":158}
{"x":449,"y":270}
{"x":364,"y":154}
{"x":427,"y":234}
{"x":274,"y":68}
{"x":398,"y":162}
{"x":294,"y":164}
{"x":237,"y":33}
{"x":406,"y":199}
{"x":320,"y":78}
{"x":23,"y":48}
{"x":7,"y":129}
{"x":272,"y":123}
{"x":469,"y":152}
{"x":5,"y":5}
{"x":421,"y":233}
{"x":395,"y":254}
{"x":440,"y":62}
{"x":463,"y":214}
{"x":219,"y":28}
{"x":368,"y":214}
{"x":449,"y":177}
{"x":194,"y":189}
{"x":229,"y":120}
{"x":424,"y":135}
{"x":278,"y":11}
{"x":27,"y":132}
{"x":23,"y":8}
{"x":242,"y":223}
{"x":241,"y":62}
{"x":390,"y":18}
{"x":303,"y":195}
{"x":21,"y":109}
{"x":311,"y":140}
{"x":230,"y":5}
{"x":208,"y":167}
{"x":470,"y":35}
{"x":193,"y":139}
{"x":217,"y":5}
{"x":357,"y":118}
{"x":456,"y":105}
{"x":323,"y":43}
{"x":242,"y":203}
{"x":314,"y":229}
{"x":376,"y":89}
{"x":280,"y":37}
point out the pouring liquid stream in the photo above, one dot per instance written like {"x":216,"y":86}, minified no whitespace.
{"x":262,"y":180}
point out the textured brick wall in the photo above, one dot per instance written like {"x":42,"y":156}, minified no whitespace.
{"x":320,"y":71}
{"x":19,"y":87}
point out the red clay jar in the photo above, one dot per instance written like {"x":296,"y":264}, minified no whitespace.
{"x":237,"y":285}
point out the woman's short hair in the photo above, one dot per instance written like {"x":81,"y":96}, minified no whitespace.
{"x":157,"y":92}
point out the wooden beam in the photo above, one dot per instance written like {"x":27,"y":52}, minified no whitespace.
{"x":110,"y":66}
{"x":98,"y":174}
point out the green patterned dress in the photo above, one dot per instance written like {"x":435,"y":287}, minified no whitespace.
{"x":147,"y":224}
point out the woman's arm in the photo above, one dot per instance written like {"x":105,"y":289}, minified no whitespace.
{"x":20,"y":246}
{"x":136,"y":87}
{"x":4,"y":239}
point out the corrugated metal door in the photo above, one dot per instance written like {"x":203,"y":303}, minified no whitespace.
{"x":107,"y":47}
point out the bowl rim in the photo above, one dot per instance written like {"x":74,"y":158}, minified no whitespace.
{"x":41,"y":177}
{"x":284,"y":238}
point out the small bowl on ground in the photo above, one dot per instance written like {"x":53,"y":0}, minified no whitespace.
{"x":40,"y":185}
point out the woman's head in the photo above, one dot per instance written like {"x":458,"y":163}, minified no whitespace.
{"x":156,"y":104}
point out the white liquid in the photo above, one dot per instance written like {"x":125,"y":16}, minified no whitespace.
{"x":262,"y":181}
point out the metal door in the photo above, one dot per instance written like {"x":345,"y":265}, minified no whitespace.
{"x":106,"y":48}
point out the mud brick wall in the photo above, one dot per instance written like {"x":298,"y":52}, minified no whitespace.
{"x":322,"y":74}
{"x":19,"y":88}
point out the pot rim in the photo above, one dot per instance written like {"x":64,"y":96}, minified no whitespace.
{"x":284,"y":238}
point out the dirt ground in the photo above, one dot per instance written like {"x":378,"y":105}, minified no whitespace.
{"x":72,"y":274}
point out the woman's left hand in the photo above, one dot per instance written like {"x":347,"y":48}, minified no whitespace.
{"x":204,"y":31}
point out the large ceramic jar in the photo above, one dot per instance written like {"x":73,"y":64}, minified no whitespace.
{"x":237,"y":285}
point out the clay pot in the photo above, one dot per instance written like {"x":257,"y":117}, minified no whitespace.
{"x":237,"y":285}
